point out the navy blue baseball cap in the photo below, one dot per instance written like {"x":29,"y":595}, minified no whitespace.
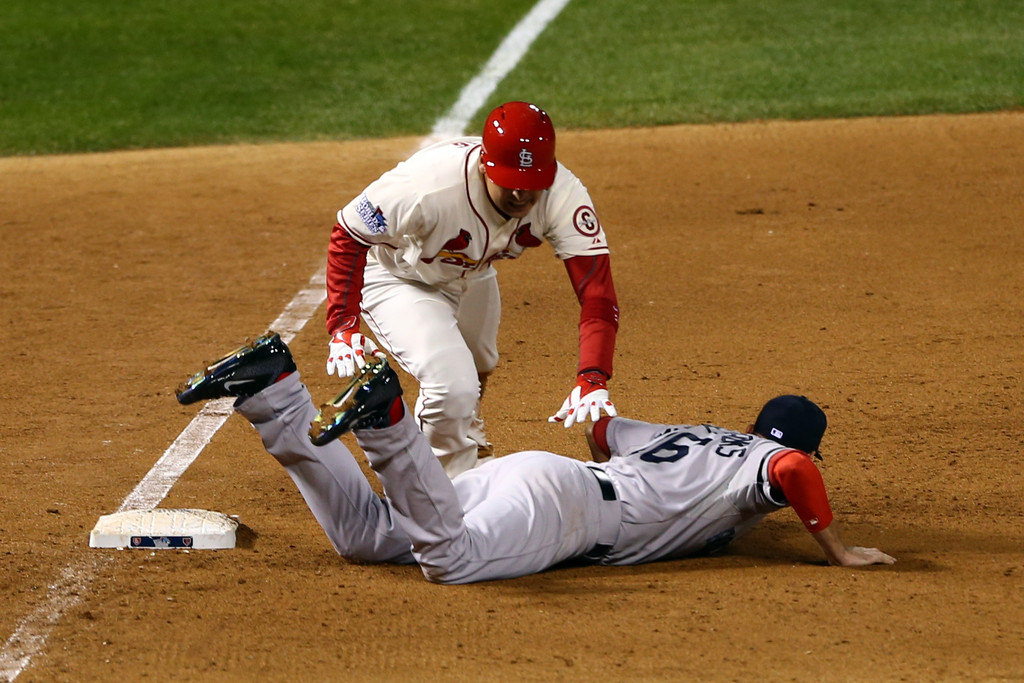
{"x":793,"y":421}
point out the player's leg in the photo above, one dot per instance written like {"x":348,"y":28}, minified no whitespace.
{"x":514,"y":516}
{"x":357,"y":522}
{"x":479,"y":316}
{"x":270,"y":394}
{"x":417,"y":325}
{"x":477,"y":430}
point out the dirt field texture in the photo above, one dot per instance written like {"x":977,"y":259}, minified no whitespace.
{"x":871,"y":264}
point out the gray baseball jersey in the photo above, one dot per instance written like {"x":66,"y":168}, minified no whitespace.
{"x":686,"y":489}
{"x":668,"y":491}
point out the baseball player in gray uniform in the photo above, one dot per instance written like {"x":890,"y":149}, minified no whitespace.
{"x":654,"y":492}
{"x":413,"y":257}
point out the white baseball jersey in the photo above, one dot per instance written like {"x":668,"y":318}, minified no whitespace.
{"x":430,"y":219}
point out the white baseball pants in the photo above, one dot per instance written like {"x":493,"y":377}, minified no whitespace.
{"x":445,"y":338}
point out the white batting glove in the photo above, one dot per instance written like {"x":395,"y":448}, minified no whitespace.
{"x":347,"y":352}
{"x":588,"y":399}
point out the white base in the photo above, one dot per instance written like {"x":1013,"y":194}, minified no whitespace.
{"x":164,"y":528}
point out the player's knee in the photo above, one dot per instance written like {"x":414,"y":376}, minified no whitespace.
{"x":369,"y":547}
{"x":456,"y":398}
{"x":371,"y":553}
{"x":445,"y":564}
{"x":485,"y":361}
{"x":444,"y":575}
{"x":353,"y":552}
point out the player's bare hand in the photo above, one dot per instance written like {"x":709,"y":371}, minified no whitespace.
{"x":347,"y":352}
{"x":856,"y":556}
{"x":588,"y":399}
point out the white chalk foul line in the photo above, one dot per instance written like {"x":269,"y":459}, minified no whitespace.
{"x":29,"y":638}
{"x":190,"y":443}
{"x":504,"y":59}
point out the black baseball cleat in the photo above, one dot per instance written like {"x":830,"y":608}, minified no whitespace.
{"x":243,"y":372}
{"x":364,"y":404}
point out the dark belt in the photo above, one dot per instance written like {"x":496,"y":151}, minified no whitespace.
{"x":597,"y":553}
{"x":607,"y":490}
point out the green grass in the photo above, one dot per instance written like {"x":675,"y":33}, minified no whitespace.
{"x":735,"y":60}
{"x":96,"y":75}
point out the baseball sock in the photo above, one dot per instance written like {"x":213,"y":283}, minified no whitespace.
{"x":396,"y":412}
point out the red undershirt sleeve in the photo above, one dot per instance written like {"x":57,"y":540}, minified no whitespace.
{"x":600,"y":434}
{"x":591,"y":278}
{"x":800,"y":481}
{"x":346,"y":261}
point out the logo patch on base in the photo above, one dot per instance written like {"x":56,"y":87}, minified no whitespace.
{"x":161,"y":542}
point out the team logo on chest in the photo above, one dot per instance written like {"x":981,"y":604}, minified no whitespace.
{"x":525,"y":238}
{"x":453,"y":251}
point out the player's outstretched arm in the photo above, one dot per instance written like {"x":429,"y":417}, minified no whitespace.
{"x":591,"y":279}
{"x":841,"y":555}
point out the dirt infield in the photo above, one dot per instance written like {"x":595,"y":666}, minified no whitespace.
{"x":875,"y":265}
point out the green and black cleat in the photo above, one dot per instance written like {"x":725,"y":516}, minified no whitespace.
{"x":244,"y":372}
{"x":364,"y":404}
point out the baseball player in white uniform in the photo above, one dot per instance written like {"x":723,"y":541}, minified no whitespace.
{"x":413,"y":256}
{"x":653,"y":492}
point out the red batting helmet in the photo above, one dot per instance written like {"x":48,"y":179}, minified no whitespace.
{"x":519,"y":147}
